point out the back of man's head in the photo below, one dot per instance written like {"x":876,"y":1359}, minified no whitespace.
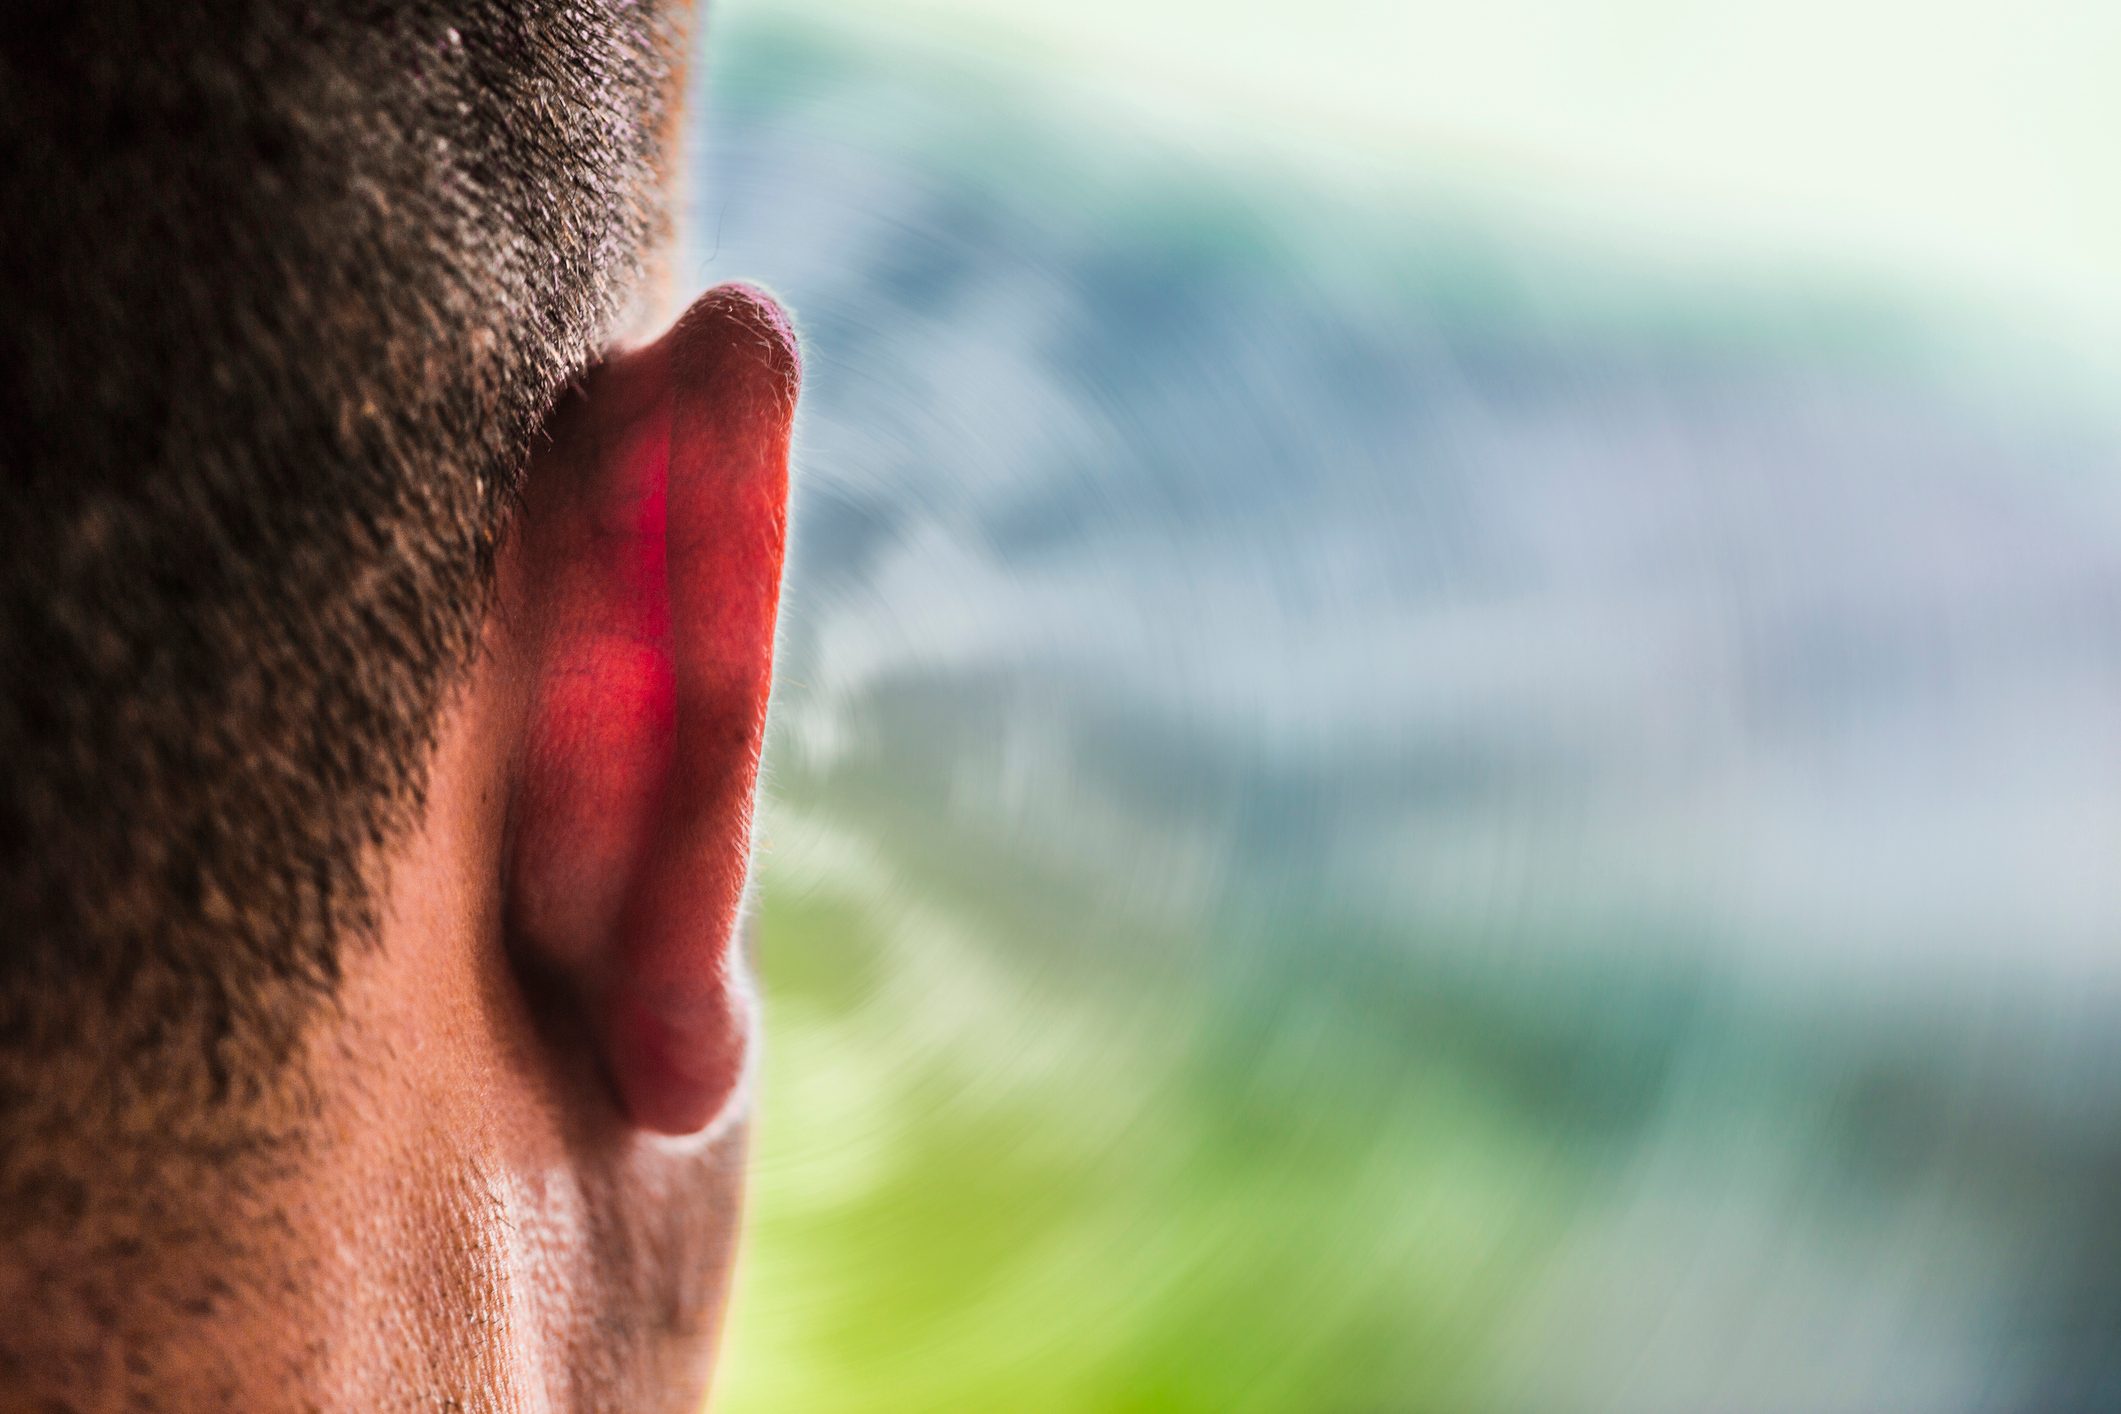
{"x":286,"y":291}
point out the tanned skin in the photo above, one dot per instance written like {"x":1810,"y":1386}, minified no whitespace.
{"x":521,"y":1180}
{"x":497,"y":1163}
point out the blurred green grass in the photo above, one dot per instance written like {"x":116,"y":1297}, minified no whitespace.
{"x":1390,"y":805}
{"x":973,"y":1193}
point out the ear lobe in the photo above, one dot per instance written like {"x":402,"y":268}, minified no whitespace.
{"x":646,"y":588}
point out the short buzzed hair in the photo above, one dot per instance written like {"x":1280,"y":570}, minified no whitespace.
{"x":285,"y":292}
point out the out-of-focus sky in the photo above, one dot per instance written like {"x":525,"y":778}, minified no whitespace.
{"x":1446,"y":734}
{"x":1943,"y":143}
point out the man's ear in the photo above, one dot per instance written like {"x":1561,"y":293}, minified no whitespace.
{"x":638,"y":598}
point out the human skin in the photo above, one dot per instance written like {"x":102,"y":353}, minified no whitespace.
{"x":502,"y":1167}
{"x":520,"y":1182}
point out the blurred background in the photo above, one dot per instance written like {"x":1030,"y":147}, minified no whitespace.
{"x":1451,"y":722}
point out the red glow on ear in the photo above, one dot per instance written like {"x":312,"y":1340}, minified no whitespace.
{"x":734,"y":378}
{"x":650,"y":561}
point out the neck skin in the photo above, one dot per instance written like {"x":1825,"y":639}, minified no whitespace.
{"x":454,"y":1214}
{"x":532,"y":1100}
{"x":503,"y":1171}
{"x":481,"y":1237}
{"x":471,"y":1223}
